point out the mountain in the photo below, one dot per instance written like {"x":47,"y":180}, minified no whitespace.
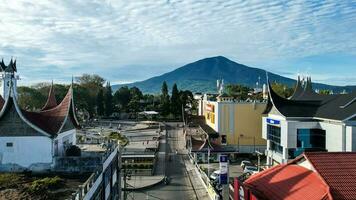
{"x":201,"y":76}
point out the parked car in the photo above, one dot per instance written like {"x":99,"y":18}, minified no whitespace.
{"x":244,"y":163}
{"x":251,"y":169}
{"x":215,"y":175}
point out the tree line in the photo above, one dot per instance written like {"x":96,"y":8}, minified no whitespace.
{"x":94,"y":97}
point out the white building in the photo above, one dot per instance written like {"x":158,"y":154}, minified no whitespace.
{"x":30,"y":140}
{"x":308,"y":121}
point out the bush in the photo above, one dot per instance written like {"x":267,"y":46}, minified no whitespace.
{"x":44,"y":184}
{"x":8,"y":180}
{"x":73,"y":151}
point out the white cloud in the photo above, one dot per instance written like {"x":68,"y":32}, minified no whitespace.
{"x":86,"y":35}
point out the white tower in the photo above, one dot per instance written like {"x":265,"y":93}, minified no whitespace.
{"x":8,"y":78}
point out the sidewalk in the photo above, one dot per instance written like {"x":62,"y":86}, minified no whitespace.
{"x":196,"y":181}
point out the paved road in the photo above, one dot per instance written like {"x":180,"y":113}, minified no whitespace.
{"x":180,"y":187}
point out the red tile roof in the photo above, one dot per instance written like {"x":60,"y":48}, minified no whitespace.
{"x":51,"y":99}
{"x":338,"y":169}
{"x":288,"y":182}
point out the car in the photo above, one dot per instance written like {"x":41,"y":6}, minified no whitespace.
{"x":244,"y":163}
{"x":251,"y":169}
{"x":215,"y":175}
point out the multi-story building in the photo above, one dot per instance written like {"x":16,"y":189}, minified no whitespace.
{"x":308,"y":121}
{"x":237,"y":122}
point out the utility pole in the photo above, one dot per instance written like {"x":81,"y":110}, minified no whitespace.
{"x":125,"y":192}
{"x":183,"y":114}
{"x":224,"y":176}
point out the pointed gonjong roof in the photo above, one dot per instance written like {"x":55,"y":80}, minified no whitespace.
{"x":298,"y":89}
{"x":49,"y":122}
{"x":11,"y":67}
{"x":309,"y":104}
{"x":51,"y":99}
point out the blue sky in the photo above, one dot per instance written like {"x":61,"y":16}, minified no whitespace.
{"x":126,"y":41}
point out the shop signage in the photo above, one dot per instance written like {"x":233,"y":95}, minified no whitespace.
{"x":273,"y":121}
{"x":210,"y":107}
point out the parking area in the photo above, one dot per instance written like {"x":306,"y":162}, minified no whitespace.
{"x":235,"y":169}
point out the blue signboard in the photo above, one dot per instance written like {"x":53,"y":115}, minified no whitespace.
{"x":223,"y":158}
{"x":223,"y":179}
{"x":273,"y":121}
{"x":224,"y":169}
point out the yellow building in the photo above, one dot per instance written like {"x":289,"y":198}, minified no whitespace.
{"x":237,"y":122}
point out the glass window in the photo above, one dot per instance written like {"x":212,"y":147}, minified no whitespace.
{"x":9,"y":144}
{"x":274,"y":133}
{"x":311,"y":138}
{"x":276,"y":147}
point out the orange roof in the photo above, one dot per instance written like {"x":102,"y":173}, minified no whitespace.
{"x":338,"y":169}
{"x":288,"y":182}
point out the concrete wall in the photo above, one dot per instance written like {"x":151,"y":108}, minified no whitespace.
{"x":335,"y":136}
{"x":26,"y":151}
{"x":64,"y":139}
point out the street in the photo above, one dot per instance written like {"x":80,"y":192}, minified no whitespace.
{"x":180,"y":186}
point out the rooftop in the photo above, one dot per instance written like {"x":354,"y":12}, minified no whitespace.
{"x":306,"y":103}
{"x":313,"y":175}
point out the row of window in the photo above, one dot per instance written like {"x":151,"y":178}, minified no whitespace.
{"x":307,"y":140}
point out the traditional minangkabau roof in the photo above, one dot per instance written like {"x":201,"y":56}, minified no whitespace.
{"x":51,"y":99}
{"x":309,"y":104}
{"x":11,"y":67}
{"x":49,"y":122}
{"x":298,"y":89}
{"x":2,"y":102}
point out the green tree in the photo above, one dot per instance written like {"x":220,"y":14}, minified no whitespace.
{"x":324,"y":92}
{"x":100,"y":103}
{"x":136,"y":93}
{"x":108,"y":100}
{"x":30,"y":98}
{"x":282,"y":89}
{"x":122,"y":98}
{"x":176,"y":105}
{"x":92,"y":85}
{"x":237,"y":91}
{"x":165,"y":99}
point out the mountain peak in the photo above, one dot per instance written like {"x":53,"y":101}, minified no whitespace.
{"x":201,"y":76}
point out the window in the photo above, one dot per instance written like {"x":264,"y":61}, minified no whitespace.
{"x":308,"y":140}
{"x":276,"y":147}
{"x":274,"y":136}
{"x":274,"y":133}
{"x":311,"y":138}
{"x":9,"y":144}
{"x":223,"y":139}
